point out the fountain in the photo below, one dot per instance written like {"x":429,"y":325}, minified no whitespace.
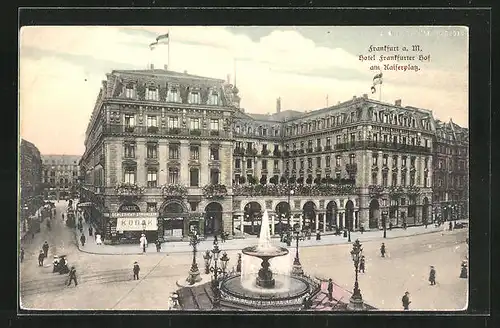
{"x":265,"y":289}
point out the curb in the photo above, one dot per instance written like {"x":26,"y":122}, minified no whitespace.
{"x":239,"y":248}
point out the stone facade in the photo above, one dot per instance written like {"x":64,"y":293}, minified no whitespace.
{"x":30,"y":183}
{"x":60,"y":175}
{"x":179,"y":146}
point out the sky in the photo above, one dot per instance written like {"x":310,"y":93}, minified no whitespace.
{"x":62,"y":67}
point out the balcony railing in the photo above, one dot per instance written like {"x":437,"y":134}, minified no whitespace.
{"x":239,"y":151}
{"x":381,"y":145}
{"x":298,"y":190}
{"x":183,"y":132}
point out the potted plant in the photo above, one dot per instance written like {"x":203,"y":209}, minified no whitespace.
{"x":152,"y":129}
{"x":195,"y":132}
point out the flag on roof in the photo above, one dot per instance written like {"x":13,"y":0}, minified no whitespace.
{"x":377,"y":79}
{"x":153,"y":45}
{"x":163,"y":38}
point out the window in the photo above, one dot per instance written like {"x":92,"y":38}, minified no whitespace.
{"x":214,"y":153}
{"x":276,"y":164}
{"x":328,"y":141}
{"x":309,"y":163}
{"x":318,"y":162}
{"x":173,"y":152}
{"x":374,"y":159}
{"x":173,"y":122}
{"x":194,"y":153}
{"x":151,"y":121}
{"x":426,"y":142}
{"x":264,"y":147}
{"x":318,"y":143}
{"x":385,"y":160}
{"x":327,"y":160}
{"x":294,"y":146}
{"x":375,"y":137}
{"x":353,"y":137}
{"x":287,"y":165}
{"x":374,"y":178}
{"x":310,"y":144}
{"x":151,"y":93}
{"x":337,"y":175}
{"x":129,"y":151}
{"x":194,"y":123}
{"x":249,"y":163}
{"x":264,"y":164}
{"x":294,"y":164}
{"x":337,"y":160}
{"x":302,"y":145}
{"x":173,"y":95}
{"x":152,"y":178}
{"x":394,"y":161}
{"x":384,"y":179}
{"x":385,"y":137}
{"x":403,"y":201}
{"x":276,"y":132}
{"x":213,"y":99}
{"x":152,"y":151}
{"x":404,"y":140}
{"x":426,"y":163}
{"x":394,"y":179}
{"x":194,"y":177}
{"x":413,"y":141}
{"x":237,"y":163}
{"x":129,"y":175}
{"x":403,"y":180}
{"x":173,"y":175}
{"x":412,"y":161}
{"x":129,"y":120}
{"x":412,"y":178}
{"x":214,"y":124}
{"x":403,"y":161}
{"x":129,"y":91}
{"x":301,"y":164}
{"x":151,"y":207}
{"x":264,"y":132}
{"x":194,"y":97}
{"x":214,"y":176}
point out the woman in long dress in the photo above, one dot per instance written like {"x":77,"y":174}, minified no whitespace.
{"x":98,"y":240}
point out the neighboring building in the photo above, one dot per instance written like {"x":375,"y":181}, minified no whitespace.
{"x":170,"y":152}
{"x":60,"y":174}
{"x":451,"y":167}
{"x":30,"y":178}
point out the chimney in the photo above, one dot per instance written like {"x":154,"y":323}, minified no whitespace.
{"x":365,"y":95}
{"x":152,"y":66}
{"x":278,"y":105}
{"x":353,"y":97}
{"x":165,"y":67}
{"x":398,"y":102}
{"x":185,"y":72}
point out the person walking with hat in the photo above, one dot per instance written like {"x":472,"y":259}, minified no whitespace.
{"x":143,"y":242}
{"x":82,"y":239}
{"x":382,"y":250}
{"x":136,"y":271}
{"x":41,"y":257}
{"x":362,"y":264}
{"x":432,"y":276}
{"x":330,"y":289}
{"x":406,"y":301}
{"x":72,"y":276}
{"x":45,"y":248}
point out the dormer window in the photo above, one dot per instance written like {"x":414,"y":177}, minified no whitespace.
{"x":152,"y":93}
{"x":129,"y":91}
{"x":213,"y":99}
{"x":173,"y":95}
{"x":194,"y":97}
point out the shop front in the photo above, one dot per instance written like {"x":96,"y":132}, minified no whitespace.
{"x":128,"y":224}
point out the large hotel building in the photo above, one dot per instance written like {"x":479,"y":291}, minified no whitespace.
{"x":168,"y":153}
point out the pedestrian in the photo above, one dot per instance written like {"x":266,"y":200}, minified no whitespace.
{"x":136,"y":271}
{"x":63,"y":216}
{"x":382,"y":250}
{"x":425,"y":224}
{"x":463,"y":271}
{"x":90,"y":231}
{"x":404,"y":225}
{"x":450,"y":226}
{"x":390,"y":226}
{"x":98,"y":240}
{"x":330,"y":289}
{"x":158,"y":245}
{"x":362,"y":264}
{"x":41,"y":257}
{"x":143,"y":242}
{"x":45,"y":248}
{"x":362,"y":229}
{"x":82,"y":239}
{"x":72,"y":276}
{"x":406,"y":301}
{"x":432,"y":276}
{"x":22,"y":254}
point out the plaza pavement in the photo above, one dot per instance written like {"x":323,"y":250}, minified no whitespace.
{"x":238,"y":244}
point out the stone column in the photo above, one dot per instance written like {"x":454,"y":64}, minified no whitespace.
{"x":324,"y":223}
{"x":317,"y":222}
{"x":389,"y":173}
{"x":400,"y":159}
{"x":337,"y":218}
{"x":422,"y":169}
{"x":272,"y":225}
{"x":342,"y":217}
{"x":242,"y":223}
{"x":301,"y":222}
{"x":356,"y":220}
{"x":380,"y":161}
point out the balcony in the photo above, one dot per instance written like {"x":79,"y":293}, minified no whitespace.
{"x":376,"y":145}
{"x":251,"y":152}
{"x":265,"y":152}
{"x":214,"y":191}
{"x":286,"y":154}
{"x":322,"y":189}
{"x":174,"y":191}
{"x":328,"y":148}
{"x":277,"y":153}
{"x":351,"y":168}
{"x":318,"y":149}
{"x":126,"y":190}
{"x":239,"y":151}
{"x":309,"y":150}
{"x":182,"y":132}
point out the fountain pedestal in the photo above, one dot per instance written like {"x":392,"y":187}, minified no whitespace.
{"x":265,"y":275}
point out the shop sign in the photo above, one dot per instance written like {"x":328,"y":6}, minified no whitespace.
{"x":134,"y":215}
{"x":136,"y":224}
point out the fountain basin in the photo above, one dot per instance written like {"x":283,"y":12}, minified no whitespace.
{"x":261,"y":252}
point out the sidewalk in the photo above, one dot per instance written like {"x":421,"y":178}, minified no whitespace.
{"x":237,"y":244}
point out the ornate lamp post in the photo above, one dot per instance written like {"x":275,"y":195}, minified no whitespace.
{"x":349,"y":219}
{"x":297,"y":267}
{"x":356,"y":301}
{"x":216,"y":270}
{"x":194,"y":273}
{"x":207,"y":257}
{"x":384,"y":217}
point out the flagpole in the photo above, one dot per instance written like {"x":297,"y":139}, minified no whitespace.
{"x":326,"y":100}
{"x":380,"y":93}
{"x":168,"y":51}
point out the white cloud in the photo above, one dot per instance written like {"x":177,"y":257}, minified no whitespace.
{"x":56,"y":101}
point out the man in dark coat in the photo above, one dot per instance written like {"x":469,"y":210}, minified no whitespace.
{"x":82,"y":239}
{"x":362,"y":264}
{"x":450,"y":226}
{"x":382,"y":250}
{"x":136,"y":271}
{"x":432,"y":276}
{"x":72,"y":276}
{"x":158,"y":245}
{"x":330,"y":289}
{"x":41,"y":257}
{"x":406,"y":301}
{"x":90,"y":230}
{"x":45,"y":248}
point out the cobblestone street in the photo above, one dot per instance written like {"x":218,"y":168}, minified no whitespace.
{"x":105,"y":281}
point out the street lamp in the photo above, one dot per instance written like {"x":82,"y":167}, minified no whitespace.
{"x":349,"y":218}
{"x":194,"y":273}
{"x":207,"y":257}
{"x":290,"y":193}
{"x":384,"y":217}
{"x":216,"y":270}
{"x":297,"y":267}
{"x":356,"y":301}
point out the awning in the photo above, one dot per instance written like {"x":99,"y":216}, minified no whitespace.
{"x":136,"y":224}
{"x":87,"y":204}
